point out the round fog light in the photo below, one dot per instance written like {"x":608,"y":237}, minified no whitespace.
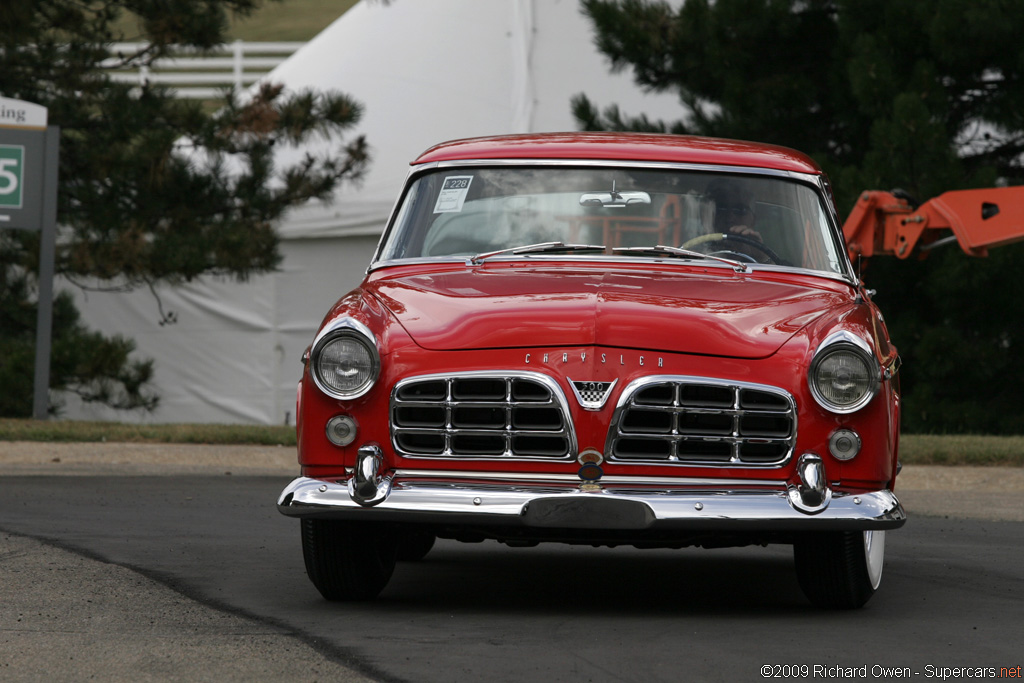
{"x":844,"y":444}
{"x":341,"y":430}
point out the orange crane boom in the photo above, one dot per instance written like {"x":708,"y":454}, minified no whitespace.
{"x":887,"y":223}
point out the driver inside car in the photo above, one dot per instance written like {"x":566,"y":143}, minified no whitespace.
{"x":734,"y":209}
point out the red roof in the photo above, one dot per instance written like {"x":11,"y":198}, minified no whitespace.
{"x":623,"y":147}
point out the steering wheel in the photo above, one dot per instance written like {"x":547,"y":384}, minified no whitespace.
{"x":725,"y":238}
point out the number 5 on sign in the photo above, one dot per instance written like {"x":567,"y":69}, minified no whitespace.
{"x":12,"y":161}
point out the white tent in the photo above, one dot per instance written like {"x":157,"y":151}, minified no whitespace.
{"x":425,"y":72}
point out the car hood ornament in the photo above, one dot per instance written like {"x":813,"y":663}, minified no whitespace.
{"x":592,"y":395}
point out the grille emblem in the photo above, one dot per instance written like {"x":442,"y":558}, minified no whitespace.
{"x":592,"y":395}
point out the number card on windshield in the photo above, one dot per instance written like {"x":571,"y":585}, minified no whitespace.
{"x":453,"y":194}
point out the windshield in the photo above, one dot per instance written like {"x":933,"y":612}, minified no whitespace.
{"x":480,"y":212}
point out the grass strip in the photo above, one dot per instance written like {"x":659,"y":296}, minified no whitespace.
{"x":961,"y":449}
{"x":915,"y":449}
{"x":70,"y":430}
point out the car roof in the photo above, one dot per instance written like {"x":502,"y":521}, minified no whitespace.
{"x":623,"y":147}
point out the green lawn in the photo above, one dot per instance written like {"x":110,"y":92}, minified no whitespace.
{"x":70,"y":430}
{"x":290,"y":20}
{"x":275,"y":21}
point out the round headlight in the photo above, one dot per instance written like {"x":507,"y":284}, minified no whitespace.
{"x":843,"y":377}
{"x":345,"y":363}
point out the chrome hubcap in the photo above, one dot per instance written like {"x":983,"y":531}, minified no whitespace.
{"x":874,"y":555}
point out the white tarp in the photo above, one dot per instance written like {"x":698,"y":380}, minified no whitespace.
{"x":426,"y":72}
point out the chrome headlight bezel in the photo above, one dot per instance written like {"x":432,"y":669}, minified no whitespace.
{"x":845,"y":342}
{"x":345,"y":329}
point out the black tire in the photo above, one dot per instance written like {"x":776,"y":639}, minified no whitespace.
{"x":348,"y":560}
{"x":835,"y":569}
{"x":414,"y":544}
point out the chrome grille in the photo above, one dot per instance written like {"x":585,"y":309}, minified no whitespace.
{"x":700,"y":421}
{"x":471,"y":415}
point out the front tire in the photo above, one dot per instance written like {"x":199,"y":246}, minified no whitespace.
{"x":840,"y":569}
{"x":414,"y":544}
{"x":348,"y":560}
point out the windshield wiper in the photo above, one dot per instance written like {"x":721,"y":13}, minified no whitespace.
{"x":536,"y":248}
{"x":663,"y":250}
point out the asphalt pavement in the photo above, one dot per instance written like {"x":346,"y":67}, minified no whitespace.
{"x":66,"y":616}
{"x":69,"y":616}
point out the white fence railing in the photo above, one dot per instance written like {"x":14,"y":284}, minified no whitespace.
{"x":206,"y":75}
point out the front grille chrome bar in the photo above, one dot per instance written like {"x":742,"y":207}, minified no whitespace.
{"x":482,"y":415}
{"x":682,"y":420}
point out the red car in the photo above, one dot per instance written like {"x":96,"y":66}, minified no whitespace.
{"x":605,"y":339}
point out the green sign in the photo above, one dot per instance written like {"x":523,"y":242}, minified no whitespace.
{"x":29,"y":155}
{"x":12,"y":164}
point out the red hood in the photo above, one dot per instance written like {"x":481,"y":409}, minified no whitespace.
{"x":719,"y":314}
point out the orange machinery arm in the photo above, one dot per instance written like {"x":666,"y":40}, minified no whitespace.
{"x":883,"y":223}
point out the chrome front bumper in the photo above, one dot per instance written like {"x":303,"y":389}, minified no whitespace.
{"x":559,"y":502}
